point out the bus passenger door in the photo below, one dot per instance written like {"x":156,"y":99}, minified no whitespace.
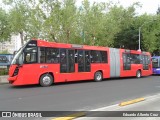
{"x":87,"y":61}
{"x":71,"y":61}
{"x":127,"y":71}
{"x":84,"y":62}
{"x":67,"y":64}
{"x":81,"y":61}
{"x":63,"y":61}
{"x":145,"y":63}
{"x":67,"y":61}
{"x":126,"y":61}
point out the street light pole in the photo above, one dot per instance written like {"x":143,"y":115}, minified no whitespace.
{"x":139,"y":49}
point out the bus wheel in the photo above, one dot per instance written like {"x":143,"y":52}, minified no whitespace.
{"x":98,"y":76}
{"x":46,"y":80}
{"x":138,"y":74}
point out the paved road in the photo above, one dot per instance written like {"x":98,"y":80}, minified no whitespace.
{"x":76,"y":96}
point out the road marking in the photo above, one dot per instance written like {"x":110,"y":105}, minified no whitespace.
{"x":107,"y":108}
{"x":131,"y":101}
{"x":104,"y":108}
{"x":150,"y":97}
{"x":71,"y":116}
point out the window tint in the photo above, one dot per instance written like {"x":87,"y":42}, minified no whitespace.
{"x":76,"y":56}
{"x":87,"y":61}
{"x":49,"y":55}
{"x":71,"y":58}
{"x":135,"y":59}
{"x":81,"y":61}
{"x":30,"y":55}
{"x":126,"y":61}
{"x":84,"y":61}
{"x":63,"y":61}
{"x":42,"y":55}
{"x":155,"y":62}
{"x":126,"y":58}
{"x":104,"y":56}
{"x":96,"y":56}
{"x":149,"y":59}
{"x":52,"y":55}
{"x":145,"y":60}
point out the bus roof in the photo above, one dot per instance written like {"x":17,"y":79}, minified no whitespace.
{"x":77,"y":46}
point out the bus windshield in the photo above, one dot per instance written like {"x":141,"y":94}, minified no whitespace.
{"x":155,"y":62}
{"x":18,"y":58}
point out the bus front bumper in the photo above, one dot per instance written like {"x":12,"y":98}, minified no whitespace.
{"x":12,"y":80}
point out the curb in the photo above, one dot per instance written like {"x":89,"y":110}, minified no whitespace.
{"x":3,"y":79}
{"x":71,"y":116}
{"x":131,"y":101}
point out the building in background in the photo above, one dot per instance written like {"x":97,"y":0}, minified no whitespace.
{"x":12,"y":45}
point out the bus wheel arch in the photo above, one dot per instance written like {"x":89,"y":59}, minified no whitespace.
{"x":98,"y":76}
{"x":46,"y":79}
{"x":139,"y":73}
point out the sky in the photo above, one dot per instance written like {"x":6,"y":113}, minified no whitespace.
{"x":148,"y":6}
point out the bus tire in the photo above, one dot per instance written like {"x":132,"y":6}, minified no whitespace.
{"x":46,"y":80}
{"x":98,"y":76}
{"x":138,"y":74}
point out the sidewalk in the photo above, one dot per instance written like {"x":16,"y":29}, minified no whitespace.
{"x":146,"y":110}
{"x":3,"y":79}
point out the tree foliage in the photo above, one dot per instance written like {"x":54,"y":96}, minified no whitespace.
{"x":5,"y":32}
{"x":98,"y":23}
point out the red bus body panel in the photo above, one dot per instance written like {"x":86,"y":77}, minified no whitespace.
{"x":31,"y":73}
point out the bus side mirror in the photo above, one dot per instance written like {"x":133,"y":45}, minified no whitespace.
{"x":17,"y":61}
{"x":14,"y":53}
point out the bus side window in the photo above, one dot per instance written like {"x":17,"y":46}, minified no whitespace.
{"x":30,"y":55}
{"x":104,"y":56}
{"x":42,"y":55}
{"x":52,"y":55}
{"x":96,"y":56}
{"x":135,"y":59}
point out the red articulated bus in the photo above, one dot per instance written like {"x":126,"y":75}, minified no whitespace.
{"x":44,"y":63}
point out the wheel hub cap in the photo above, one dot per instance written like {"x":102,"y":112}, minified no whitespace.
{"x":46,"y":80}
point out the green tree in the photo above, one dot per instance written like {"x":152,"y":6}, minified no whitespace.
{"x":92,"y":20}
{"x":18,"y":20}
{"x":18,"y":15}
{"x":5,"y":32}
{"x":126,"y":35}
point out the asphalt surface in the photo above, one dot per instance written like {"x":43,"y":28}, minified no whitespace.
{"x":76,"y":96}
